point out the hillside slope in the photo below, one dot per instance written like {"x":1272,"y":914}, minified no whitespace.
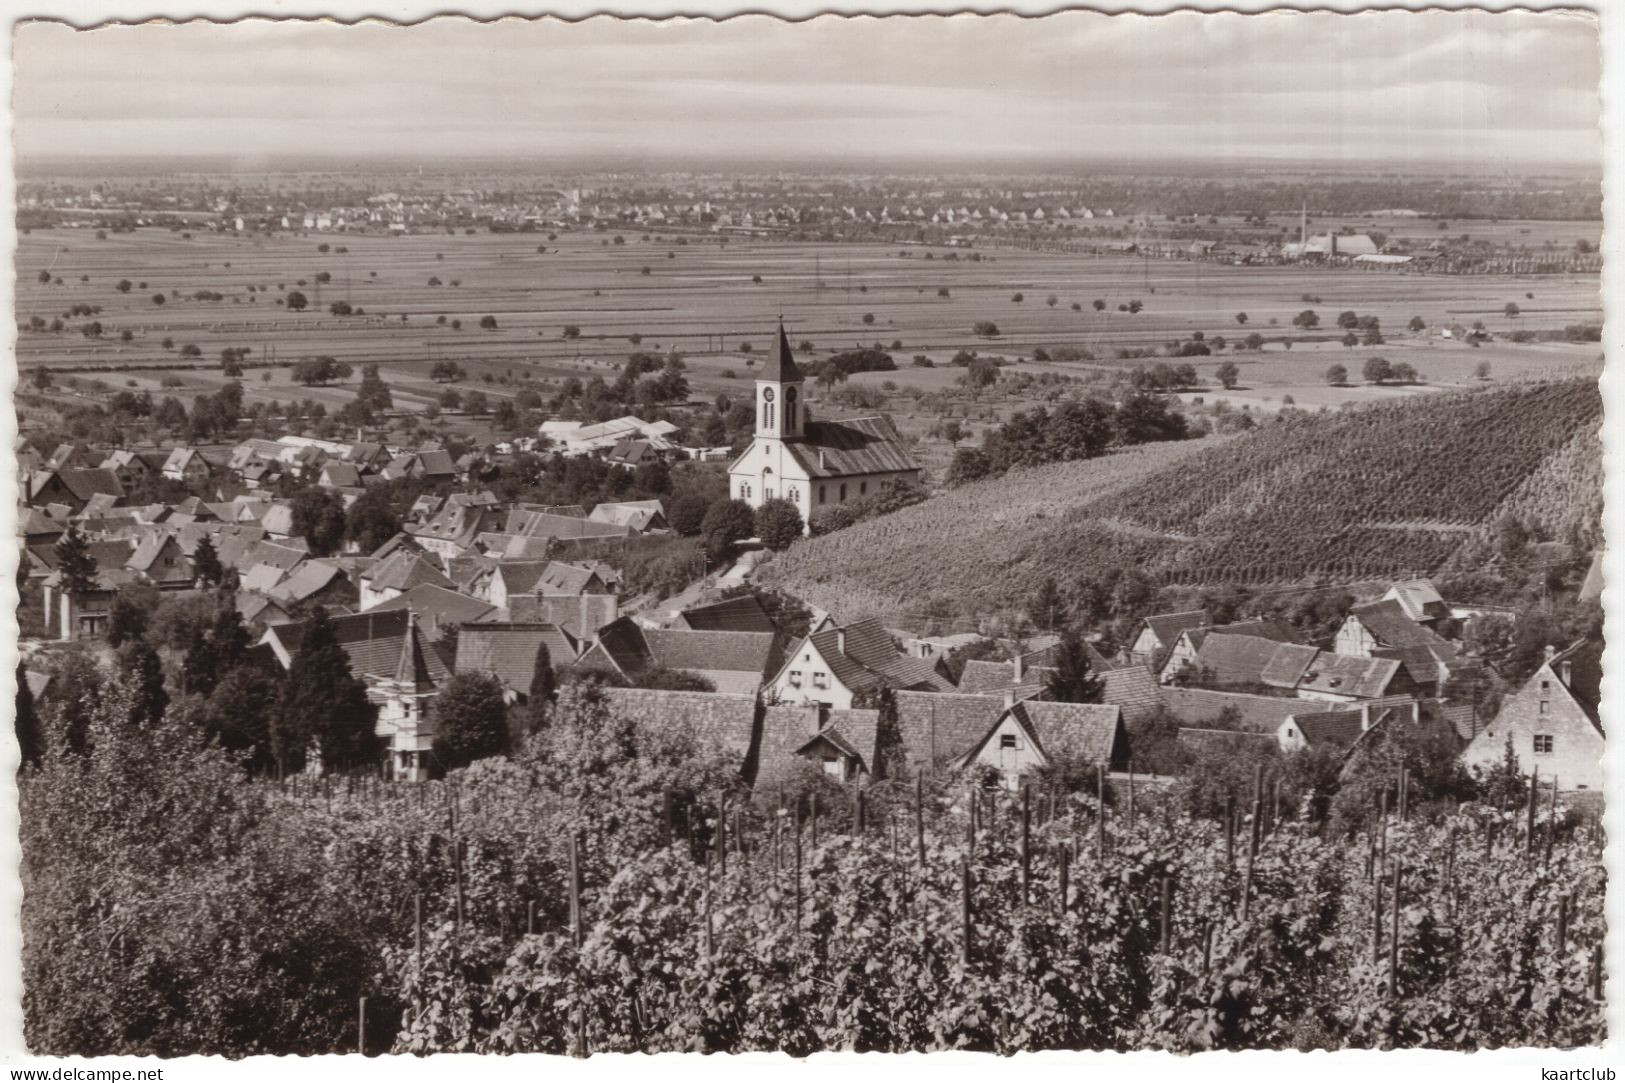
{"x":1398,"y":488}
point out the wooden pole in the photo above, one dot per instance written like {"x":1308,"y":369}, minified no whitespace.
{"x":860,"y":825}
{"x":814,"y":831}
{"x":966,"y":917}
{"x":417,"y":922}
{"x":919,"y":818}
{"x":1064,"y":859}
{"x":1529,"y":825}
{"x":975,"y":807}
{"x":1562,"y":934}
{"x":1376,"y":923}
{"x":1131,"y":796}
{"x":457,"y":877}
{"x":530,"y":919}
{"x":1026,"y":846}
{"x":575,"y":891}
{"x":1229,"y":830}
{"x":1207,"y":949}
{"x":721,"y":841}
{"x":795,"y":871}
{"x":361,"y":1028}
{"x":1167,"y":912}
{"x":1393,"y":941}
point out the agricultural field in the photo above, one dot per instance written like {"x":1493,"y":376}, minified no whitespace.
{"x":698,"y":293}
{"x":1404,"y":488}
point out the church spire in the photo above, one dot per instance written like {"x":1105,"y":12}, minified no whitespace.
{"x":781,"y":365}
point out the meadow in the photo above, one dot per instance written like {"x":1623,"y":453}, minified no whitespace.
{"x":699,"y":293}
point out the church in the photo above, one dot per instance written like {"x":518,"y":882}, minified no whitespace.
{"x":812,"y":464}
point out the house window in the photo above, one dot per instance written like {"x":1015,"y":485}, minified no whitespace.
{"x":843,"y":491}
{"x":821,"y":494}
{"x":820,"y":679}
{"x":744,"y":490}
{"x":795,"y":678}
{"x":833,"y":766}
{"x":1543,"y":744}
{"x":1545,"y":686}
{"x":863,"y":487}
{"x":1545,"y":706}
{"x":1007,"y":740}
{"x":792,"y":494}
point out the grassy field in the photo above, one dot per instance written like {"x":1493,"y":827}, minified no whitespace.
{"x":699,"y":296}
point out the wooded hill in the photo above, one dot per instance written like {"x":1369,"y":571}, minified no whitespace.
{"x":1410,"y":487}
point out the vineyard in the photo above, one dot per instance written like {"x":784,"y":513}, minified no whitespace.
{"x":612,"y":890}
{"x":1393,"y":489}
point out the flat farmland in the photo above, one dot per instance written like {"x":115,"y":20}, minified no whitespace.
{"x":701,"y":297}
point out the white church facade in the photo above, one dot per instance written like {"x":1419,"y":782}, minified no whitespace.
{"x":812,"y":464}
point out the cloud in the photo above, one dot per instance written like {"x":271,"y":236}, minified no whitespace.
{"x":1454,"y":84}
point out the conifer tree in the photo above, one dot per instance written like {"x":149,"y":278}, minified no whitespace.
{"x":1074,"y":679}
{"x":324,"y":707}
{"x":143,"y":673}
{"x":206,"y":563}
{"x":74,"y":564}
{"x":544,"y":687}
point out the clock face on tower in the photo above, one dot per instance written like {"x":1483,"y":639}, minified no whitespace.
{"x":767,"y":394}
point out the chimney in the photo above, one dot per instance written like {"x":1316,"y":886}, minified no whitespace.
{"x":840,"y":641}
{"x":1365,"y":717}
{"x":1565,"y":672}
{"x":1009,"y":698}
{"x":1016,"y":665}
{"x":1551,"y":652}
{"x":823,"y":460}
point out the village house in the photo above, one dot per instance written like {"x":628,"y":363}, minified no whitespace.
{"x":185,"y":465}
{"x":508,"y":652}
{"x":832,"y":666}
{"x":396,"y":574}
{"x":795,"y":740}
{"x":1157,"y":636}
{"x":1030,"y":734}
{"x":1551,"y":724}
{"x":1183,"y":655}
{"x":812,"y":464}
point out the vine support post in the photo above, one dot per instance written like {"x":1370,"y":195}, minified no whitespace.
{"x":1207,"y":949}
{"x":859,"y":813}
{"x":361,"y":1028}
{"x":919,"y":818}
{"x":457,"y":877}
{"x":1561,"y":934}
{"x":1529,"y":816}
{"x":966,"y":915}
{"x":1026,"y":846}
{"x":813,"y":832}
{"x":668,"y":819}
{"x":1596,"y":972}
{"x":1166,"y":923}
{"x":1393,"y":940}
{"x":530,"y":918}
{"x":721,"y":840}
{"x":1100,"y":818}
{"x":970,"y":823}
{"x":575,"y":891}
{"x":1064,"y":862}
{"x":1131,"y":796}
{"x":795,"y":868}
{"x":417,"y":924}
{"x":1229,"y":830}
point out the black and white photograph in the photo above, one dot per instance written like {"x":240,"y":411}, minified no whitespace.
{"x":947,"y":533}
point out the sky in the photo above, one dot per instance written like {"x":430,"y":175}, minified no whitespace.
{"x":1509,"y":91}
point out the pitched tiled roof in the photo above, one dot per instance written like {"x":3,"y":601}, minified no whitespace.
{"x":583,"y":615}
{"x":283,"y":555}
{"x":619,"y":646}
{"x":1167,"y":626}
{"x":85,"y":483}
{"x":740,"y":652}
{"x":1288,"y":665}
{"x":714,"y":720}
{"x":785,"y":730}
{"x":1134,"y":689}
{"x":403,"y":571}
{"x":508,"y":651}
{"x":1204,"y":744}
{"x":1391,"y":627}
{"x":437,"y":606}
{"x":859,"y":445}
{"x":1089,"y":732}
{"x":372,"y":640}
{"x":1585,"y":675}
{"x":1336,"y":729}
{"x":940,"y":727}
{"x":1347,"y":675}
{"x":1236,"y":660}
{"x":1047,"y":655}
{"x":1201,"y":707}
{"x":261,"y":578}
{"x":521,"y":576}
{"x":741,"y":614}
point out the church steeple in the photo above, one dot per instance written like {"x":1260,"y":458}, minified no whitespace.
{"x":780,"y":412}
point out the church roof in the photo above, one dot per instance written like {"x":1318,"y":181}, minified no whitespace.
{"x":781,"y":366}
{"x":859,"y":445}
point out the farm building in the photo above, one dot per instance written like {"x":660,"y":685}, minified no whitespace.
{"x":833,"y":665}
{"x":1551,"y":724}
{"x":812,"y":464}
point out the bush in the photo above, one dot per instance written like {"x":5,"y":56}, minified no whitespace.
{"x":778,"y":524}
